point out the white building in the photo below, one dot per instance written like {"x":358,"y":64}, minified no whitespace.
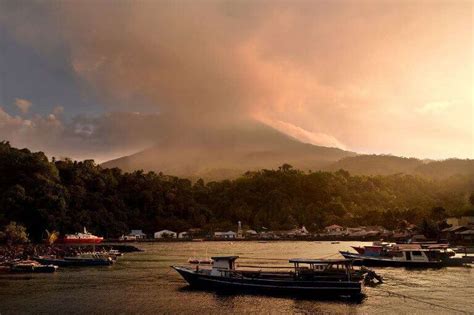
{"x":225,"y":235}
{"x":165,"y":234}
{"x":138,"y":234}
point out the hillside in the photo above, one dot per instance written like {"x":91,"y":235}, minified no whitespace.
{"x":67,"y":195}
{"x":387,"y":165}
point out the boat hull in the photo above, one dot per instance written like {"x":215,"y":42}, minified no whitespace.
{"x":361,"y":260}
{"x":314,"y":289}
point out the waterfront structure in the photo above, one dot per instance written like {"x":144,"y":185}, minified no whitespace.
{"x":165,"y":234}
{"x":225,"y":235}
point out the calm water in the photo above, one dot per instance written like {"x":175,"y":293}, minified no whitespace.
{"x":144,"y":283}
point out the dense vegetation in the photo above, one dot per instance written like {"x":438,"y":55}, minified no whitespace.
{"x":66,"y":195}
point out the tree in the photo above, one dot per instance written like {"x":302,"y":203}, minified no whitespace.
{"x":15,"y":234}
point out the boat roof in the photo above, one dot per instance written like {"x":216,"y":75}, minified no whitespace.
{"x":224,"y":257}
{"x":321,"y":261}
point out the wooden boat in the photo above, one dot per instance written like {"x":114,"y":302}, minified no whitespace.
{"x":406,"y":257}
{"x":313,"y":277}
{"x":30,"y":266}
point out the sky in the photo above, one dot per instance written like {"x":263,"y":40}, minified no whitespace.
{"x":101,"y":79}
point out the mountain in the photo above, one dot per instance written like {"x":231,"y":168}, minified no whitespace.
{"x":388,"y":164}
{"x":228,"y":152}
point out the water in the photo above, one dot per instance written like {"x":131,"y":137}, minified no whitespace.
{"x":144,"y":283}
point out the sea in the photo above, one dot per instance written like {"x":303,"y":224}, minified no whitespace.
{"x":144,"y":283}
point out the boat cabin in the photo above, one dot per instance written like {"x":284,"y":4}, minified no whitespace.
{"x":305,"y":267}
{"x":417,"y":255}
{"x":222,"y":265}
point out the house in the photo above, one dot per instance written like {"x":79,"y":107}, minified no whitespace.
{"x":225,"y":235}
{"x":165,"y":234}
{"x":451,"y":233}
{"x":184,"y":235}
{"x":334,"y":229}
{"x":133,"y":236}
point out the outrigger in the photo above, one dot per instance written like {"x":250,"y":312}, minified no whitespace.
{"x":309,"y":277}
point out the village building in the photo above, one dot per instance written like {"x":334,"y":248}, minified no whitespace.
{"x":165,"y":234}
{"x":451,"y":233}
{"x":133,"y":236}
{"x":334,"y":230}
{"x":225,"y":235}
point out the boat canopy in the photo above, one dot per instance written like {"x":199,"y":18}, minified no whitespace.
{"x":216,"y":258}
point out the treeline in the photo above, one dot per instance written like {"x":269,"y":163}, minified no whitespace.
{"x":67,"y":195}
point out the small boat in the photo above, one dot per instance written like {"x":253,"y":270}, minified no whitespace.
{"x":77,"y":261}
{"x":313,"y":277}
{"x":30,"y":266}
{"x":81,"y":238}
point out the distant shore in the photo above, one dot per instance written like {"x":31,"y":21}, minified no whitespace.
{"x":306,"y":239}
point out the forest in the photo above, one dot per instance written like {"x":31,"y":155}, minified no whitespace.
{"x":65,"y":195}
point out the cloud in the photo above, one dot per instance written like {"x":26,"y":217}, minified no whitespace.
{"x":23,"y":105}
{"x":352,"y":69}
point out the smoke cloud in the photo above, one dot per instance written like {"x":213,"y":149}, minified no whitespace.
{"x":353,"y":75}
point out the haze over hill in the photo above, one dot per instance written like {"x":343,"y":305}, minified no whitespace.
{"x":227,"y":152}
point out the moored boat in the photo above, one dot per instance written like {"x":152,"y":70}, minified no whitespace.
{"x":76,"y":261}
{"x":405,"y":257}
{"x":30,"y":266}
{"x":81,"y":238}
{"x":312,"y":277}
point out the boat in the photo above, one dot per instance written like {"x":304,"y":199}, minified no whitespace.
{"x":404,"y":256}
{"x":313,"y":277}
{"x":81,"y":238}
{"x":30,"y":266}
{"x":77,"y":261}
